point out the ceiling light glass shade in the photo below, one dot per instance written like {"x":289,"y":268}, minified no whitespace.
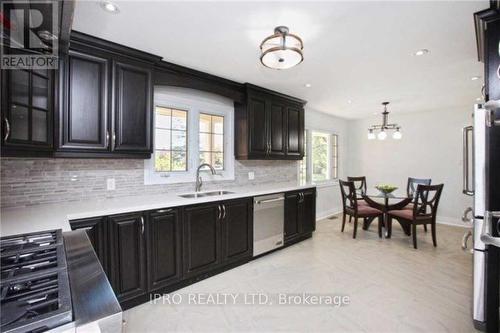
{"x":110,"y":7}
{"x":281,"y":50}
{"x":397,"y":135}
{"x":371,"y":135}
{"x":382,"y":135}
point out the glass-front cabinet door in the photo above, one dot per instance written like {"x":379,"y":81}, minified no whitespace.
{"x":27,"y":104}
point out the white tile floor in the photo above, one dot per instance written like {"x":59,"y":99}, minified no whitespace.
{"x":391,"y":287}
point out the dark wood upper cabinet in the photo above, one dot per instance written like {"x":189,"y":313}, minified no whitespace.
{"x":27,"y":111}
{"x":269,"y":125}
{"x":295,"y":132}
{"x":257,"y":118}
{"x":85,"y":107}
{"x":127,"y":257}
{"x":237,"y":229}
{"x":202,"y":238}
{"x":132,"y":111}
{"x":277,"y":128}
{"x":163,"y":243}
{"x":106,"y":100}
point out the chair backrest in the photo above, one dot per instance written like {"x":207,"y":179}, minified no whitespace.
{"x":348,"y":195}
{"x":427,"y":200}
{"x":359,"y":183}
{"x":411,"y":187}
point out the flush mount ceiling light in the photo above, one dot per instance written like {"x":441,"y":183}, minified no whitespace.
{"x":421,"y":52}
{"x":382,"y":135}
{"x":110,"y":7}
{"x":282,"y":50}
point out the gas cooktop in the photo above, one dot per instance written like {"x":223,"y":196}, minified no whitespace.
{"x":35,"y":293}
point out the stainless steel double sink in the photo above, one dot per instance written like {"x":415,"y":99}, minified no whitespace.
{"x":204,"y":194}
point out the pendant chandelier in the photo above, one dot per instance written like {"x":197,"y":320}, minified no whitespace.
{"x":282,"y":50}
{"x":382,"y":134}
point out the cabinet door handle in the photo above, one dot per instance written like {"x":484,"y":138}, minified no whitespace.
{"x":164,"y":210}
{"x":219,"y":212}
{"x":107,"y":139}
{"x":113,"y":141}
{"x":142,"y":225}
{"x":224,"y":211}
{"x":7,"y":129}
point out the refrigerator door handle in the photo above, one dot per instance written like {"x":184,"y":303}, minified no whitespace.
{"x":486,"y":236}
{"x":466,"y":219}
{"x":466,"y":157}
{"x":465,"y":240}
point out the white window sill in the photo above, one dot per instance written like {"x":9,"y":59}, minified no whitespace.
{"x":330,"y":183}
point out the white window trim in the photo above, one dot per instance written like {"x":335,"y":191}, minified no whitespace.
{"x":325,"y":183}
{"x":194,"y":102}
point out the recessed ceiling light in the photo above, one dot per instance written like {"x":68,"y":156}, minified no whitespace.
{"x":474,"y":78}
{"x":308,"y":85}
{"x":349,"y":102}
{"x":46,"y":35}
{"x":110,"y":7}
{"x":479,"y":99}
{"x":421,"y":52}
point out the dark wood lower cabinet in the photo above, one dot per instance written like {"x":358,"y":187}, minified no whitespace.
{"x":300,"y":214}
{"x":127,"y":255}
{"x":154,"y":252}
{"x":96,"y":230}
{"x":237,"y":230}
{"x":202,"y":238}
{"x":163,"y":244}
{"x":291,"y":215}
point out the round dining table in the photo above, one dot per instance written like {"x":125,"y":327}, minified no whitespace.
{"x":385,"y":202}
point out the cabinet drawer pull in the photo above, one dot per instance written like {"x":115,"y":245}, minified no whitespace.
{"x":164,"y":210}
{"x":7,"y":129}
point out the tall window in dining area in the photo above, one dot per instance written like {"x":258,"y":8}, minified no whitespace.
{"x":170,"y":140}
{"x":320,"y":163}
{"x":211,"y":130}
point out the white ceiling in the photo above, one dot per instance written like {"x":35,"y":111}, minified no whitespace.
{"x":358,"y":51}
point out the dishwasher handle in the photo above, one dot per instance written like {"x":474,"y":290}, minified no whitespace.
{"x":259,"y":202}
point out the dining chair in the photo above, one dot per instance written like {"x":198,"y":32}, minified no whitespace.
{"x":425,"y":205}
{"x":360,"y":187}
{"x":411,"y":188}
{"x":351,"y":207}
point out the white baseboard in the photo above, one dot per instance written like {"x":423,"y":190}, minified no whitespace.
{"x":454,"y":221}
{"x":325,"y":214}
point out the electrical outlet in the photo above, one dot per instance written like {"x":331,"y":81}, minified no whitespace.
{"x":110,"y":184}
{"x":251,"y":175}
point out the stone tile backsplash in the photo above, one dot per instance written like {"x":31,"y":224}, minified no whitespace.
{"x":26,"y":181}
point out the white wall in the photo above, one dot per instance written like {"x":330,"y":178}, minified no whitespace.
{"x":328,"y":201}
{"x":431,"y":147}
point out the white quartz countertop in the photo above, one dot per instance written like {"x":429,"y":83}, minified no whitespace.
{"x":57,"y":216}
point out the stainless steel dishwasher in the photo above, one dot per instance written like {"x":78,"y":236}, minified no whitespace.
{"x":268,"y":222}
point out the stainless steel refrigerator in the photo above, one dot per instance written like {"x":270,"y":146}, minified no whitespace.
{"x":481,"y":154}
{"x":482,"y":175}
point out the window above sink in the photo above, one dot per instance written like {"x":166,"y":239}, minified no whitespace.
{"x":190,"y":127}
